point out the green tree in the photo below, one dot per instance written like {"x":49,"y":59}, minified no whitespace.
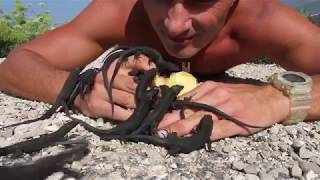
{"x":16,"y":28}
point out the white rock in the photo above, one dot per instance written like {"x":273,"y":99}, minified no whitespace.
{"x":238,"y":177}
{"x":310,"y":175}
{"x":51,"y":128}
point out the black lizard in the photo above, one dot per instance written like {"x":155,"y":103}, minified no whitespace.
{"x":133,"y":121}
{"x":144,"y":82}
{"x":84,"y":84}
{"x":173,"y":143}
{"x":44,"y":167}
{"x":178,"y":104}
{"x":107,"y":62}
{"x":37,"y":144}
{"x":150,"y":123}
{"x":153,"y":55}
{"x":61,"y":99}
{"x":143,"y":107}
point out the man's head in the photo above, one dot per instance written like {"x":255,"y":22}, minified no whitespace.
{"x":187,"y":26}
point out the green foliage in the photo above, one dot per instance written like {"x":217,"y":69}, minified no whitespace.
{"x":16,"y":28}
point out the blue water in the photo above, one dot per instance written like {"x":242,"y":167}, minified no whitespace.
{"x":64,"y":10}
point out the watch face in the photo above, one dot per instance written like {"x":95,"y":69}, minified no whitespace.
{"x":293,"y":78}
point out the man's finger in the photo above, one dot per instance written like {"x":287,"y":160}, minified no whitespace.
{"x":125,"y":83}
{"x":141,"y":63}
{"x":101,"y":108}
{"x":120,"y":97}
{"x":123,"y":98}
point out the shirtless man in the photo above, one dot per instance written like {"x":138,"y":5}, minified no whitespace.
{"x":213,"y":35}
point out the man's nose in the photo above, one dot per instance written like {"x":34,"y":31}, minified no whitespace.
{"x":178,"y":20}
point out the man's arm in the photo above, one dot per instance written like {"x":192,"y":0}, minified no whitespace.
{"x":275,"y":30}
{"x":278,"y":31}
{"x":37,"y":70}
{"x":301,"y":39}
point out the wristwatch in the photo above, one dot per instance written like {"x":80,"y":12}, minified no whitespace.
{"x":298,"y":87}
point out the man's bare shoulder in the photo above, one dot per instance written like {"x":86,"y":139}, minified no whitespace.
{"x":270,"y":27}
{"x":105,"y":18}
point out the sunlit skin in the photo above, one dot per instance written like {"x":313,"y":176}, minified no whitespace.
{"x":186,"y":27}
{"x":213,"y":35}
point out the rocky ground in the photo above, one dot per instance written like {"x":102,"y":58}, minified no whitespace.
{"x":280,"y":152}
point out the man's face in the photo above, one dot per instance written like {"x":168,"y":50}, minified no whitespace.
{"x":187,"y":26}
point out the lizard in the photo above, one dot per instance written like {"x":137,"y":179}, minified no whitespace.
{"x":178,"y":104}
{"x":143,"y":106}
{"x":37,"y":144}
{"x":144,"y":82}
{"x":84,"y":84}
{"x":150,"y":123}
{"x":154,"y":56}
{"x":131,"y":124}
{"x":173,"y":143}
{"x":44,"y":167}
{"x":61,"y":99}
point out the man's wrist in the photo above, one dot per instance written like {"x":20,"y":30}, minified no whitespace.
{"x":279,"y":103}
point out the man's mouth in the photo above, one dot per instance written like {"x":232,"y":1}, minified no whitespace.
{"x":180,"y":39}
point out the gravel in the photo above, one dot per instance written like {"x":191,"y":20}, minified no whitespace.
{"x":280,"y":152}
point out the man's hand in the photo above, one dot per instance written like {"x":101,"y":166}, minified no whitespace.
{"x":256,"y":105}
{"x":97,"y":102}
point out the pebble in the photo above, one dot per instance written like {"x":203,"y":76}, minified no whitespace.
{"x":251,"y":177}
{"x":100,"y":122}
{"x":277,"y":171}
{"x":296,"y":171}
{"x":297,"y":144}
{"x":265,"y":176}
{"x":310,"y":175}
{"x":238,"y":165}
{"x":227,"y":149}
{"x":76,"y":165}
{"x":154,"y":157}
{"x":304,"y":153}
{"x":174,"y":166}
{"x":315,"y":159}
{"x":309,"y":166}
{"x":115,"y":175}
{"x":158,"y":170}
{"x":51,"y":128}
{"x":238,"y":177}
{"x":251,"y":169}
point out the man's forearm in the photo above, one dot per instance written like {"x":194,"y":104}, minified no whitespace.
{"x":27,"y":74}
